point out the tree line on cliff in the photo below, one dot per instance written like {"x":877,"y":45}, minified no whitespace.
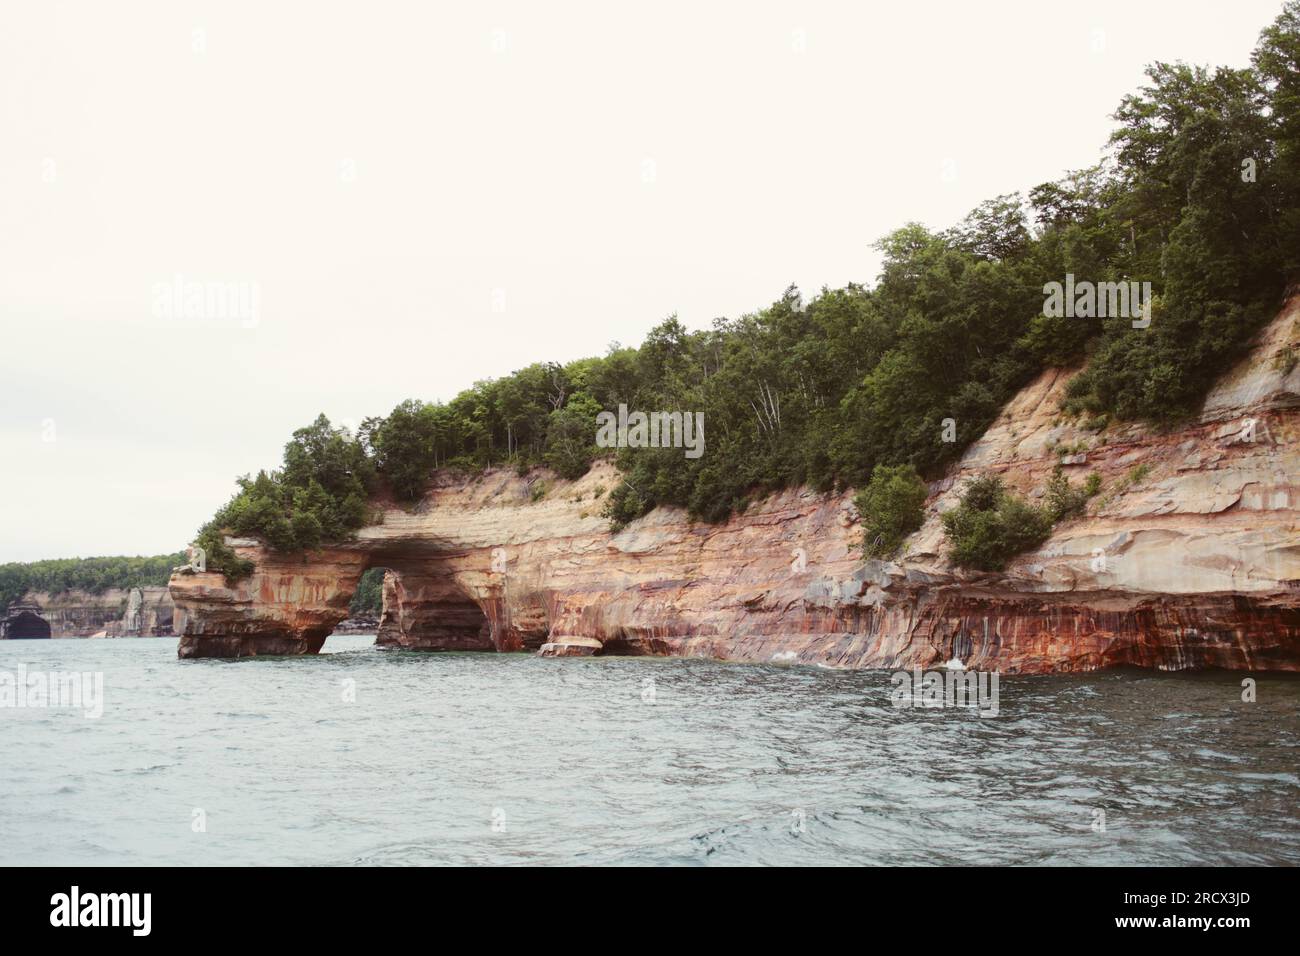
{"x":1199,"y":194}
{"x":92,"y":575}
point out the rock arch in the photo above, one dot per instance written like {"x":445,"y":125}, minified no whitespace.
{"x":292,"y":603}
{"x":483,"y":563}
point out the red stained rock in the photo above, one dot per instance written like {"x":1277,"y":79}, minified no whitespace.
{"x":1192,"y":563}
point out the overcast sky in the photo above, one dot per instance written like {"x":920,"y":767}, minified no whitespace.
{"x":425,"y":198}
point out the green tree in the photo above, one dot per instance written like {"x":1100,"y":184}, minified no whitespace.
{"x":406,"y":448}
{"x":892,"y":506}
{"x":991,"y":526}
{"x":825,"y":390}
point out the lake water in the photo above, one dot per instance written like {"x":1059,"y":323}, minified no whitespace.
{"x":364,"y":756}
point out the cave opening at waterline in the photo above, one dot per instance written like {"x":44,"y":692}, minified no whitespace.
{"x":24,"y":624}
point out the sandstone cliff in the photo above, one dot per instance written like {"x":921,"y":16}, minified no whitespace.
{"x":1189,"y":558}
{"x":130,"y":612}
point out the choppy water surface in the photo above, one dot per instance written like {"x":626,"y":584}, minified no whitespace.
{"x":481,"y":758}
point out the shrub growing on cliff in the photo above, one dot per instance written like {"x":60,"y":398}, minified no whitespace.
{"x":992,"y":525}
{"x":892,"y":506}
{"x":624,"y":505}
{"x":221,"y":557}
{"x":1066,"y":501}
{"x":319,"y":497}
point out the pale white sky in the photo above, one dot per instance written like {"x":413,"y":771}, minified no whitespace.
{"x":379,"y":169}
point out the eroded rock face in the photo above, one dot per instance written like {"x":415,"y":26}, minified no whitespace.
{"x":133,"y":612}
{"x":288,"y":606}
{"x":1189,"y":558}
{"x":425,"y":609}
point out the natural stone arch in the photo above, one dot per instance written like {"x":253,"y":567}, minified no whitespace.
{"x":291,"y":603}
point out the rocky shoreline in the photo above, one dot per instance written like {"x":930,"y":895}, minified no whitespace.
{"x":130,"y":612}
{"x":1189,"y":559}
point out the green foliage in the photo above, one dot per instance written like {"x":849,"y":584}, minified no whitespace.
{"x":1181,"y":211}
{"x":1065,"y":501}
{"x":826,"y":391}
{"x":92,"y":575}
{"x":624,"y":505}
{"x":892,"y":506}
{"x":1135,"y":475}
{"x":319,"y":497}
{"x":221,"y":557}
{"x":369,"y":599}
{"x":405,"y":446}
{"x":570,"y":437}
{"x":991,"y":526}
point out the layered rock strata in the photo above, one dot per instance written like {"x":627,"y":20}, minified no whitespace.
{"x":130,"y":612}
{"x":1189,"y":558}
